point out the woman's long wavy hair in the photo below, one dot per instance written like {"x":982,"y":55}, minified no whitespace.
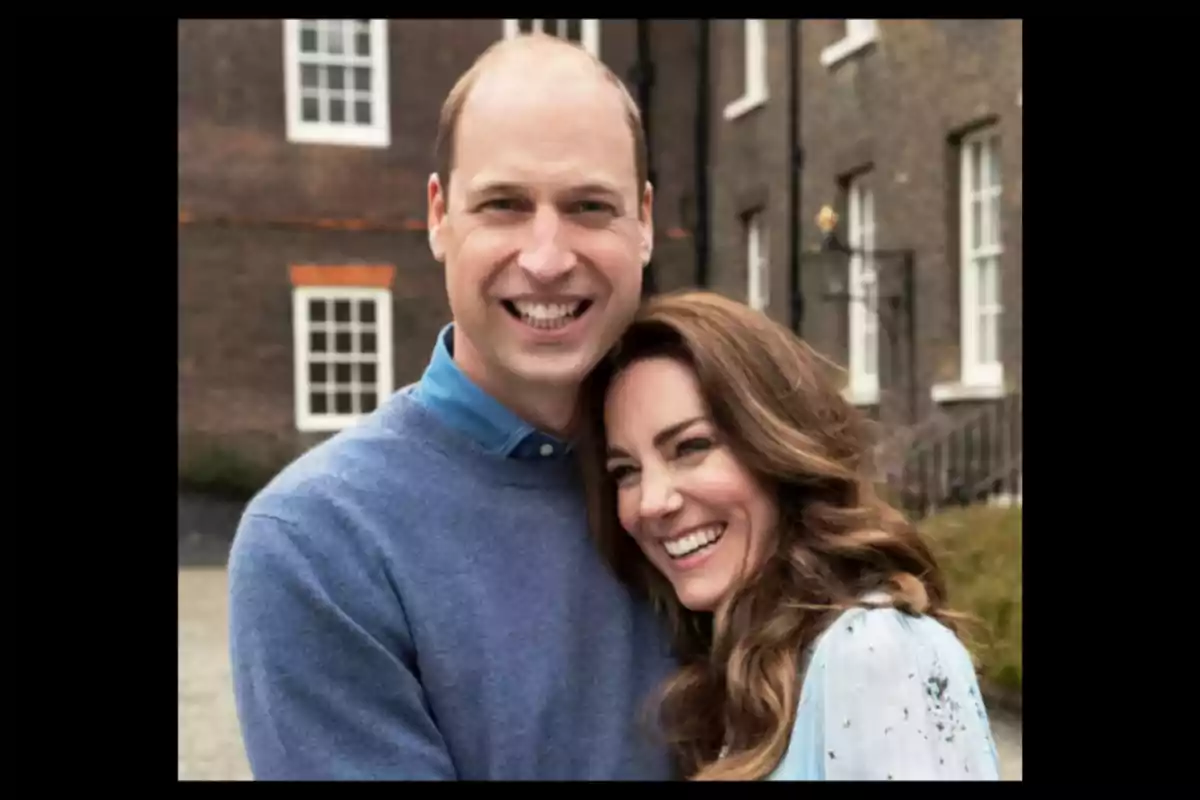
{"x":777,"y":407}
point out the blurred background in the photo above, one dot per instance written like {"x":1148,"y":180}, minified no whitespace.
{"x":860,"y":180}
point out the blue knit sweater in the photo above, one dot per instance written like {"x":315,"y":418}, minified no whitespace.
{"x":406,"y":604}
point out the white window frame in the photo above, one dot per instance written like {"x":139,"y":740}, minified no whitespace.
{"x":758,"y":265}
{"x":378,"y":133}
{"x":589,"y":31}
{"x":859,"y":34}
{"x":306,"y":420}
{"x":863,"y":283}
{"x":981,"y":321}
{"x":754,"y":94}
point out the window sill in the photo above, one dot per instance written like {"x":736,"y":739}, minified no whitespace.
{"x":744,"y":105}
{"x":966,"y":392}
{"x":841,"y":50}
{"x":861,"y":396}
{"x":327,"y":424}
{"x":343,"y":137}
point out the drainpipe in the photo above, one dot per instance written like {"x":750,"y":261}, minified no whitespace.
{"x":643,"y":79}
{"x":795,"y":169}
{"x":703,"y":127}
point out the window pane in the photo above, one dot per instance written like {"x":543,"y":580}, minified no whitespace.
{"x":362,"y":112}
{"x":317,"y":372}
{"x":366,"y":373}
{"x":342,"y":403}
{"x":308,"y":36}
{"x":983,"y":284}
{"x":525,"y":25}
{"x":341,"y":373}
{"x":317,"y":403}
{"x":362,"y":79}
{"x":317,"y":342}
{"x":976,"y":155}
{"x":362,"y":43}
{"x":334,"y":39}
{"x":309,"y":76}
{"x":310,"y":109}
{"x":994,"y":282}
{"x":341,"y":311}
{"x":366,"y":310}
{"x":342,"y":342}
{"x":994,"y":162}
{"x":976,"y":212}
{"x":316,"y":310}
{"x":994,"y":220}
{"x":367,"y":402}
{"x":574,"y":29}
{"x":337,"y":109}
{"x":367,"y":340}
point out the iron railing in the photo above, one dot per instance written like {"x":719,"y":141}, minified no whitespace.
{"x":945,"y":461}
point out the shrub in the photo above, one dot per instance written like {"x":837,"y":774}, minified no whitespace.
{"x":212,"y":469}
{"x":979,"y":549}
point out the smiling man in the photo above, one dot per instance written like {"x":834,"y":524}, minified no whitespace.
{"x":418,"y":597}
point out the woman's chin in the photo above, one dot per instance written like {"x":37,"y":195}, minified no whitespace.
{"x":699,"y":599}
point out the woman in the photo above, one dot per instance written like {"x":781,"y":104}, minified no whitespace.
{"x":729,"y":479}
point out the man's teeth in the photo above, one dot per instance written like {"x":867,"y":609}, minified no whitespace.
{"x":547,"y":315}
{"x":686,"y":545}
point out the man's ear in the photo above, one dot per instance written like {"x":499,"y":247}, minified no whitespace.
{"x":647,"y":224}
{"x":436,"y":217}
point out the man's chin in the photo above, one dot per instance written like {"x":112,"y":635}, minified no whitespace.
{"x":563,"y":371}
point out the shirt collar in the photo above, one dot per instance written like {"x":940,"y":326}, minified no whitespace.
{"x":447,"y":391}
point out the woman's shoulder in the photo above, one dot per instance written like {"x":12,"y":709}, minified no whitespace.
{"x":876,"y":633}
{"x":889,"y":695}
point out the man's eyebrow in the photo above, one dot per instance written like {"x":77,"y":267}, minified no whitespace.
{"x":496,"y":187}
{"x":595,"y":187}
{"x":662,"y":437}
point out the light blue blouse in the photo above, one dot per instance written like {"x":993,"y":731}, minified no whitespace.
{"x":888,"y":696}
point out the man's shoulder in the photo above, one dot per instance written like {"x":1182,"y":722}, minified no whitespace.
{"x":376,"y":464}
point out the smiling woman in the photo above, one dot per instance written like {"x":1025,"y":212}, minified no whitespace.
{"x":729,"y":479}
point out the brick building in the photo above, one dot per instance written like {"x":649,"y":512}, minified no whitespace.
{"x":307,"y":290}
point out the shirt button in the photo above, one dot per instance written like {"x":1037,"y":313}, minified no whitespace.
{"x":546,"y":450}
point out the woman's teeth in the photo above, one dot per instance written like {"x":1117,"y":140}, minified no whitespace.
{"x":694,"y":541}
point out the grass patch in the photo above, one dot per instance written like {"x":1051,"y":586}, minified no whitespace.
{"x":979,"y":549}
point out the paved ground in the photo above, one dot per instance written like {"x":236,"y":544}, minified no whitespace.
{"x":210,"y":746}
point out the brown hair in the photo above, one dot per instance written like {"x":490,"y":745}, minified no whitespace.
{"x":443,"y":148}
{"x":773,"y":400}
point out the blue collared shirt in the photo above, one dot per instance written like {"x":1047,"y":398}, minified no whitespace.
{"x":445,"y":390}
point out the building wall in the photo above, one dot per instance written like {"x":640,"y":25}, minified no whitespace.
{"x":897,"y":108}
{"x":749,"y":164}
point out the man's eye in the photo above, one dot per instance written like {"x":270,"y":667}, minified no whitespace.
{"x":594,"y":207}
{"x":501,"y":204}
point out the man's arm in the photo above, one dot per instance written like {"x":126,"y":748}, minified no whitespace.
{"x":319,"y":696}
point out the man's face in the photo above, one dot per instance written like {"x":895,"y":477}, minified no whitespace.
{"x":540,"y":231}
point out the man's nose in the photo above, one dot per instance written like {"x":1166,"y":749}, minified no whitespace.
{"x":545,"y":257}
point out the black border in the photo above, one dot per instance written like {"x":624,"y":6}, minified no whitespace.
{"x":96,"y":197}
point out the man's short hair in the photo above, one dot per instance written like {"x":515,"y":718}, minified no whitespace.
{"x":453,"y":106}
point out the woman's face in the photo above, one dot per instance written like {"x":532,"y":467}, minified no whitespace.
{"x":696,"y":512}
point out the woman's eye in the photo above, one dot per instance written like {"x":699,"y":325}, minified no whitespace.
{"x":694,"y":445}
{"x":618,"y":474}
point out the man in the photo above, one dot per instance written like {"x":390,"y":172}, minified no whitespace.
{"x":417,"y":597}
